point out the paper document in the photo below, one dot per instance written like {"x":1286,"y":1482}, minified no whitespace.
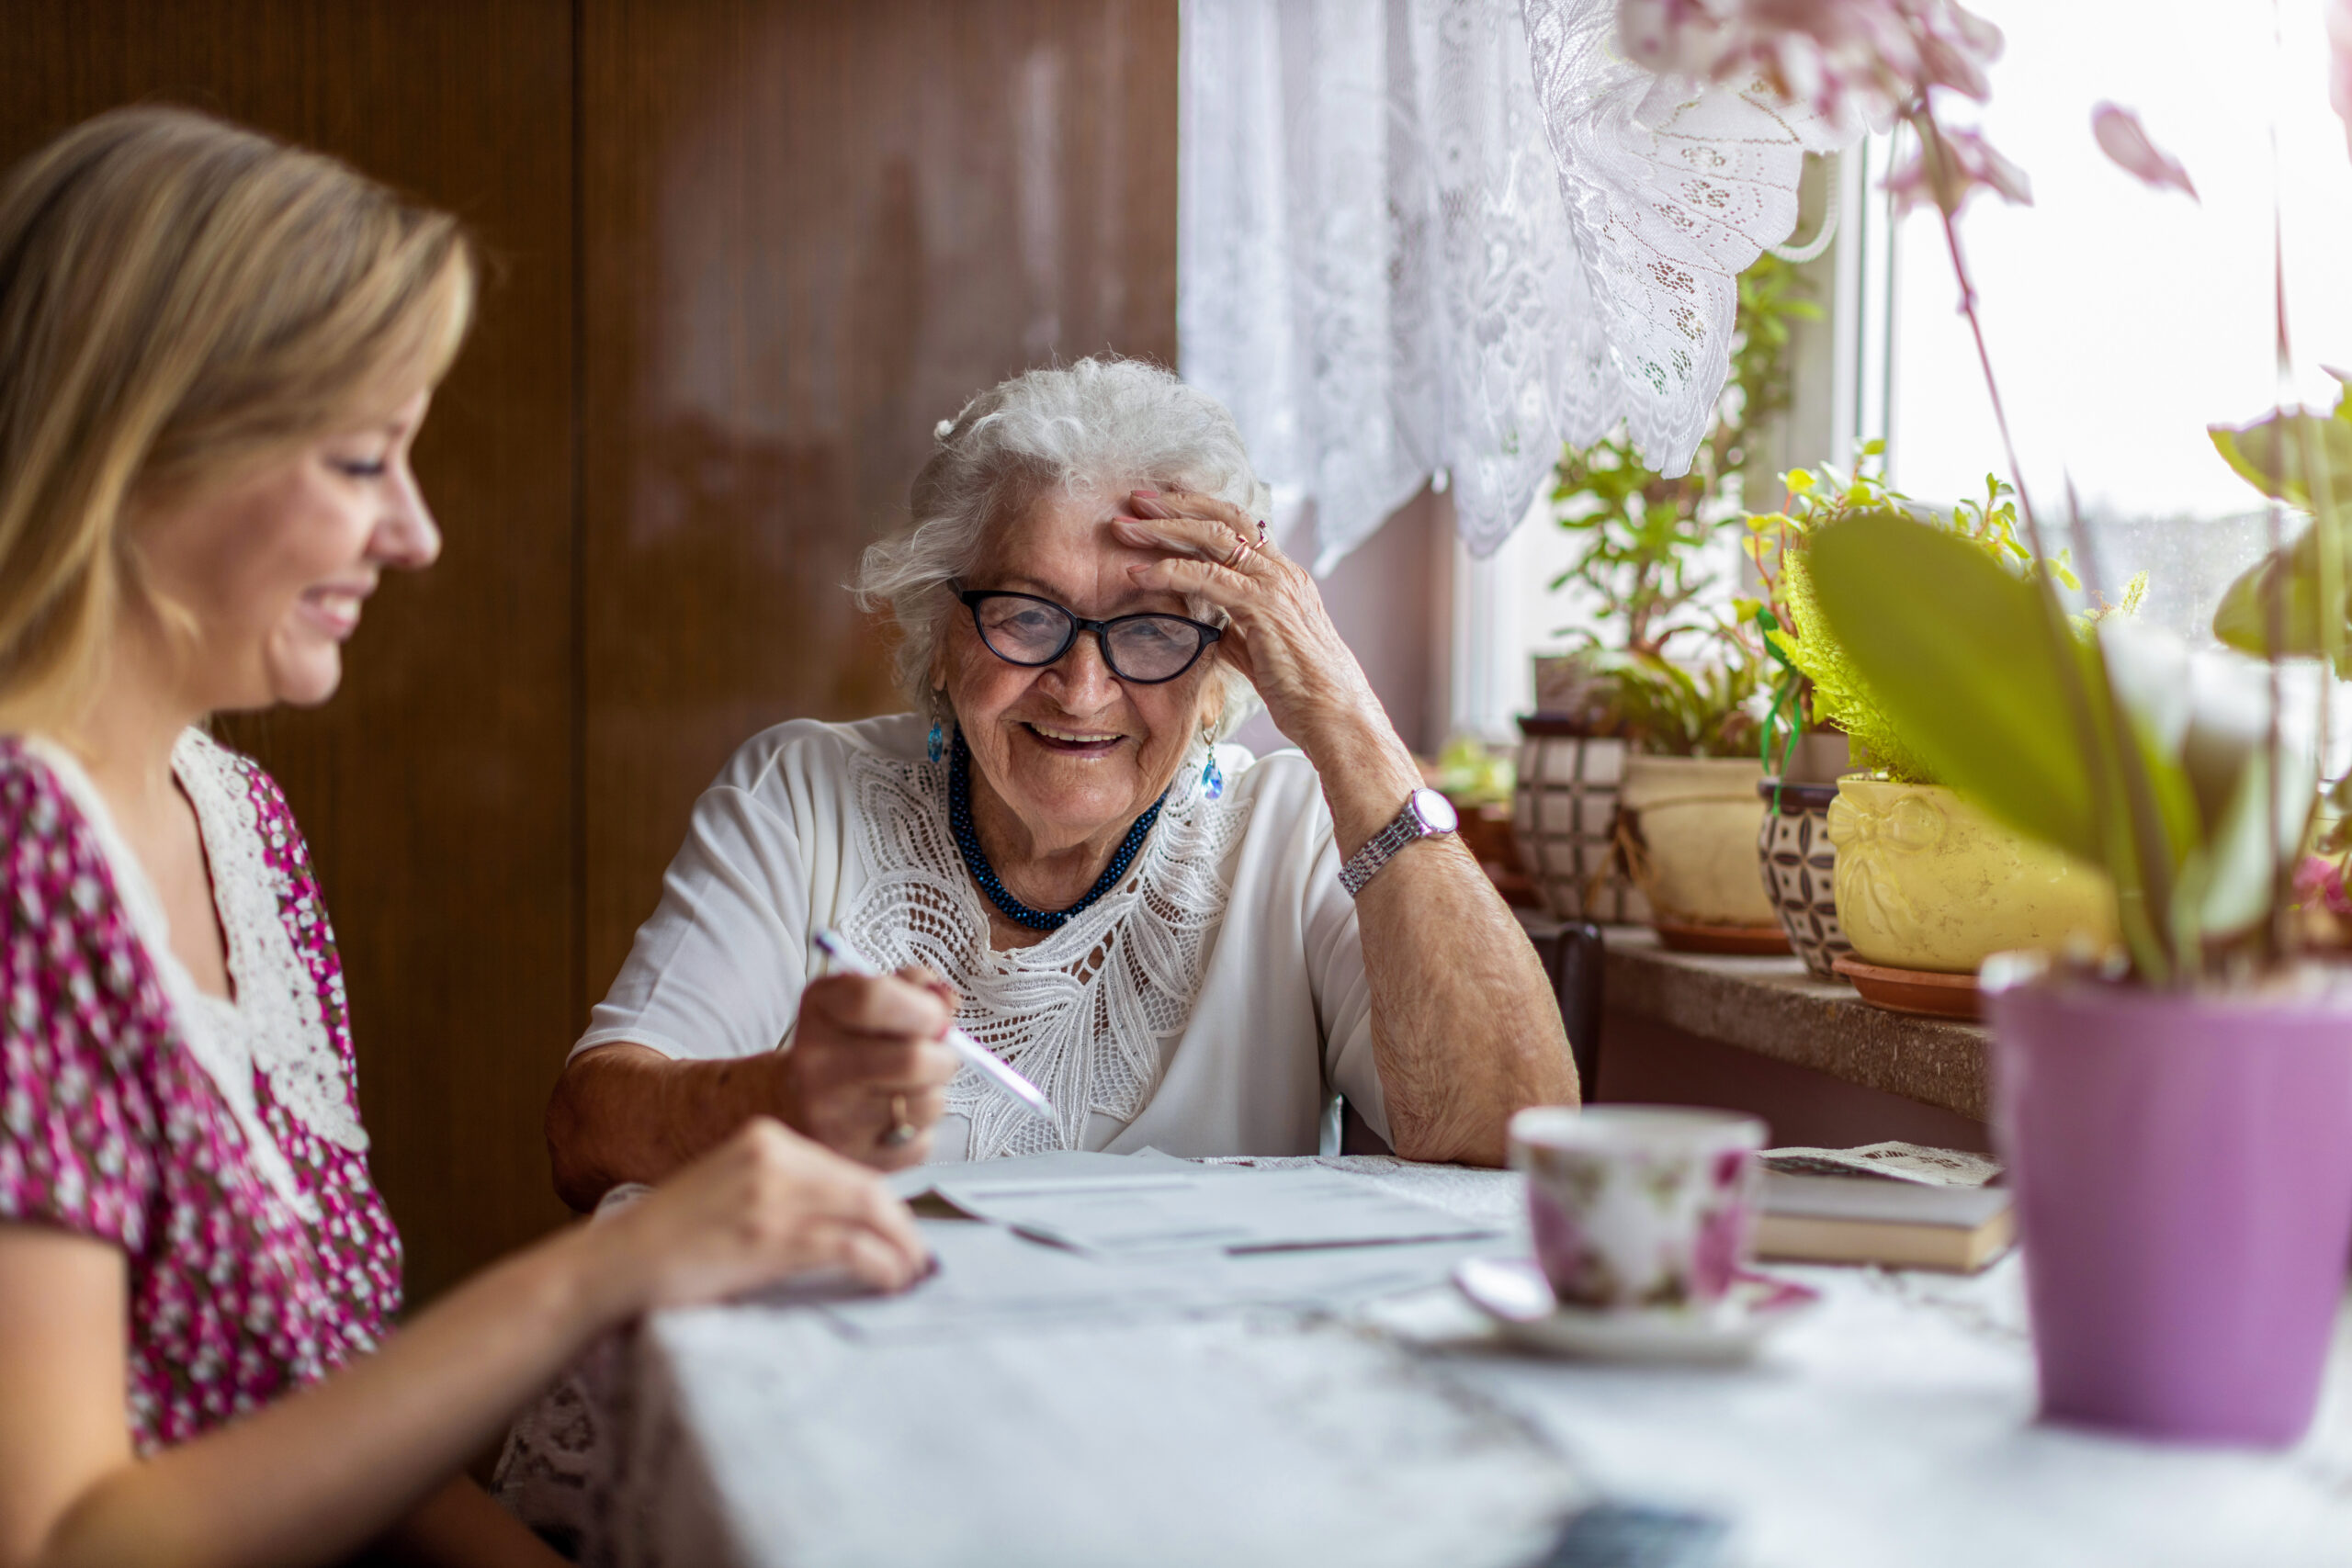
{"x":1155,"y":1206}
{"x":1072,"y":1237}
{"x":991,"y":1280}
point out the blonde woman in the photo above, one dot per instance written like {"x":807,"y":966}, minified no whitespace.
{"x":215,"y":352}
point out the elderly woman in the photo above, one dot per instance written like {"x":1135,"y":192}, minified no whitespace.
{"x":1186,"y":948}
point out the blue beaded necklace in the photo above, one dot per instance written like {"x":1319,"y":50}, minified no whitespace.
{"x":976,"y":860}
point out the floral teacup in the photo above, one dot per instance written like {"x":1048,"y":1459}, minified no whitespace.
{"x":1639,"y":1206}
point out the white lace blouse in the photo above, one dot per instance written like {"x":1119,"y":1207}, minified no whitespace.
{"x":1212,"y":1005}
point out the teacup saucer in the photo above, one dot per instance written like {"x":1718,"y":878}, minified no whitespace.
{"x":1513,"y":1292}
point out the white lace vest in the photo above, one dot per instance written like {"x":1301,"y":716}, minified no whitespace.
{"x":1087,"y":1014}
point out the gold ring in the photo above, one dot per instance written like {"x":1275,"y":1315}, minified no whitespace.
{"x":900,"y":1130}
{"x":1242,"y":548}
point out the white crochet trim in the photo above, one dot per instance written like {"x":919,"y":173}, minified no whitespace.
{"x":278,"y":998}
{"x":1086,"y":1014}
{"x":223,"y":1054}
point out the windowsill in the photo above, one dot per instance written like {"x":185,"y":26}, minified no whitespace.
{"x":1772,"y":1007}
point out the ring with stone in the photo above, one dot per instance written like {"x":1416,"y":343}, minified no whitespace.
{"x":900,"y":1131}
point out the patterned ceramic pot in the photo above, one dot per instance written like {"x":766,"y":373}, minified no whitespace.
{"x":1799,"y":866}
{"x":1563,"y":815}
{"x":1925,"y":881}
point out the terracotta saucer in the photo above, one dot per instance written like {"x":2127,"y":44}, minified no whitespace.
{"x":1752,"y":941}
{"x":1928,"y":992}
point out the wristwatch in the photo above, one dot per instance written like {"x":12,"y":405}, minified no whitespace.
{"x":1425,"y":814}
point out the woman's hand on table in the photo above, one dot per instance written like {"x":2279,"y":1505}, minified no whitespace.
{"x":764,"y":1205}
{"x":868,"y":1060}
{"x":1282,"y":639}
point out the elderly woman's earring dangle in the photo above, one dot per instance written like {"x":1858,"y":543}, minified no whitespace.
{"x":1212,"y":780}
{"x":935,"y":747}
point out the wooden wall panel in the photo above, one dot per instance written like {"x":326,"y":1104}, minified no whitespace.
{"x":436,"y":789}
{"x":800,"y":233}
{"x":811,"y":230}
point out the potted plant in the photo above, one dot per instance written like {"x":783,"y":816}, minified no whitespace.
{"x":1687,"y":812}
{"x":1643,"y":539}
{"x":2177,"y":1112}
{"x":1564,"y":798}
{"x":1921,"y":886}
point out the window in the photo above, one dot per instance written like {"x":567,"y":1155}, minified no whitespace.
{"x":2121,"y":320}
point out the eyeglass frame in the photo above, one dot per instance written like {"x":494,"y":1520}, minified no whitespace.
{"x":972,"y":598}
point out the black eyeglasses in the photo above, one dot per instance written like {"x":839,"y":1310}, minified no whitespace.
{"x":1022,"y":628}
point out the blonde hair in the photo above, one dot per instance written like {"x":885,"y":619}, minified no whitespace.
{"x":180,"y":300}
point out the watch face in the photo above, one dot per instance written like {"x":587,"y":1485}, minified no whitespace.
{"x":1436,"y":812}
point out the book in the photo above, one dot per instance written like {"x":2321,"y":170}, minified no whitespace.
{"x":1897,"y":1161}
{"x":1902,"y":1225}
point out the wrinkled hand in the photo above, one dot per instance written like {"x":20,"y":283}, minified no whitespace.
{"x":1281,"y":637}
{"x":866,"y":1053}
{"x":764,"y":1205}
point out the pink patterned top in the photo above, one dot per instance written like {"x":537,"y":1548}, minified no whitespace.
{"x":251,"y":1270}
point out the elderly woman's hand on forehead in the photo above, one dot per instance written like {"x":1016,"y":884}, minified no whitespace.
{"x":1281,"y":637}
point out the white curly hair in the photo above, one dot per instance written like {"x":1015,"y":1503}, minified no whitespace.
{"x":1088,"y":427}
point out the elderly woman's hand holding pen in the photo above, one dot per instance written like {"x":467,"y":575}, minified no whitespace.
{"x":867,"y":1071}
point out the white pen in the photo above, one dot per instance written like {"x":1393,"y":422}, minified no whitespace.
{"x":845,"y":955}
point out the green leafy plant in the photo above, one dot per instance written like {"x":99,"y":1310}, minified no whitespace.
{"x":1640,"y":533}
{"x":1708,"y":710}
{"x":1820,"y":681}
{"x":2303,"y":460}
{"x":2109,"y":747}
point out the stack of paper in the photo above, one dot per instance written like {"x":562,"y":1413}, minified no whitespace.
{"x":1167,"y":1206}
{"x":1078,"y":1237}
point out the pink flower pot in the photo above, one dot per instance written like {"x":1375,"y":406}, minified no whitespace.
{"x":2183,"y":1166}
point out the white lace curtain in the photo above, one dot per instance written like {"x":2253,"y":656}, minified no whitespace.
{"x":1425,"y":238}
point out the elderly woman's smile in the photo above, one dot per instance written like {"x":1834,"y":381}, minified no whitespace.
{"x":1072,"y":744}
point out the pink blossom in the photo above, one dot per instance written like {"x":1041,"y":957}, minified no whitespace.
{"x":1949,"y":166}
{"x":2322,"y":880}
{"x":1956,"y":46}
{"x":1842,"y":58}
{"x":1669,"y":37}
{"x":2124,"y":139}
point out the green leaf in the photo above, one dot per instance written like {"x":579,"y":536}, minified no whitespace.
{"x":2242,"y":861}
{"x":2276,"y":454}
{"x":1962,"y":656}
{"x":2242,"y":620}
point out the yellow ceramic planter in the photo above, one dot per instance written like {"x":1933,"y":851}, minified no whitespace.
{"x":1693,"y":824}
{"x":1925,"y":881}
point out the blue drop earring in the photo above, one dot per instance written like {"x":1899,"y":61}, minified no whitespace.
{"x":937,"y":747}
{"x":1212,"y":780}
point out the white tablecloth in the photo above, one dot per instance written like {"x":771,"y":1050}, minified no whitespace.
{"x":1893,"y":1427}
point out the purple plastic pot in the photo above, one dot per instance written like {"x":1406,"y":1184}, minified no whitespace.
{"x":2183,"y":1166}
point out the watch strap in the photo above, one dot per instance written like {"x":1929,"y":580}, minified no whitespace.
{"x":1382,"y":847}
